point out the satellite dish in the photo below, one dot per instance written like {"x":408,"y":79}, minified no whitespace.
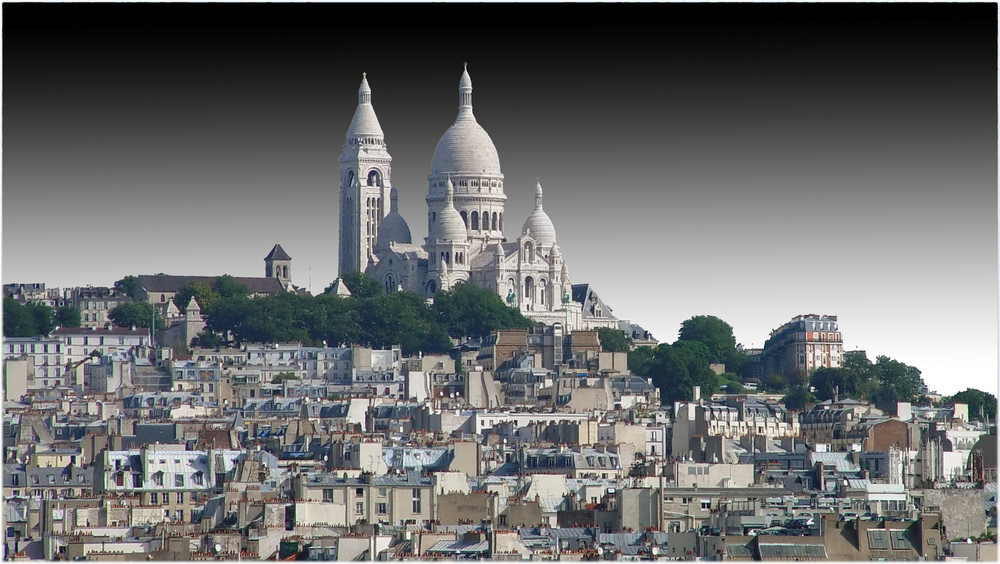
{"x":218,"y":548}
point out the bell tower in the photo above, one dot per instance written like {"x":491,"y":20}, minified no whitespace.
{"x":364,"y":185}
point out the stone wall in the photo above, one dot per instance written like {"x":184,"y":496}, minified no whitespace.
{"x":963,"y":511}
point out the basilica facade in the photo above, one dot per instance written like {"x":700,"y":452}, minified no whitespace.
{"x":465,"y":224}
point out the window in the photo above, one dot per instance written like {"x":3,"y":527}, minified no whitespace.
{"x":416,"y":500}
{"x":328,"y":495}
{"x":154,"y":498}
{"x":359,"y":492}
{"x":382,"y":509}
{"x":179,"y":480}
{"x":382,"y":492}
{"x":180,"y":497}
{"x":359,"y":507}
{"x":158,"y":478}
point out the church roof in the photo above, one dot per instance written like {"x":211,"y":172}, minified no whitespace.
{"x":364,"y":121}
{"x":169,"y":283}
{"x":277,"y":253}
{"x":465,"y":147}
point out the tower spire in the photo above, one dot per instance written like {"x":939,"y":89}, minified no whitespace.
{"x":538,"y":194}
{"x":364,"y":91}
{"x":465,"y":95}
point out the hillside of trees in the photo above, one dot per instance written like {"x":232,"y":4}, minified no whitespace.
{"x":369,"y":316}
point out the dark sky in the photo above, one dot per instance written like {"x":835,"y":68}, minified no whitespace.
{"x":749,"y":161}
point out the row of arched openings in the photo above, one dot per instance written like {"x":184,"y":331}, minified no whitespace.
{"x":494,"y":222}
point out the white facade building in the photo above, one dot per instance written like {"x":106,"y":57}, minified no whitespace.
{"x":465,"y":223}
{"x":47,"y":358}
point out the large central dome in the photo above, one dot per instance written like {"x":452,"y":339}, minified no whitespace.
{"x":465,"y":148}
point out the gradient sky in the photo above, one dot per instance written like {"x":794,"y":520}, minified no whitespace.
{"x":753,"y":162}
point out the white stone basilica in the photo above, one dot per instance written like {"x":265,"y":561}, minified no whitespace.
{"x":465,"y":222}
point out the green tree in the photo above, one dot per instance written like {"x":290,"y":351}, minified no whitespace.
{"x":469,"y":311}
{"x":337,"y":320}
{"x":128,"y":286}
{"x":676,"y":369}
{"x":68,"y":316}
{"x":896,"y":381}
{"x":402,"y":318}
{"x":797,"y":398}
{"x":44,"y":317}
{"x":206,"y":339}
{"x":226,"y":287}
{"x":640,"y":359}
{"x":138,"y":314}
{"x":359,"y":285}
{"x":980,"y":403}
{"x":716,"y":334}
{"x":18,"y":320}
{"x":201,"y":292}
{"x":613,"y":340}
{"x":283,"y":376}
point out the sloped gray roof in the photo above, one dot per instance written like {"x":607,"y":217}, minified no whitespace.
{"x":277,"y":253}
{"x":170,"y":283}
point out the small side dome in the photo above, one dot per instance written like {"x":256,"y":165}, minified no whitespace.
{"x":538,"y":223}
{"x":393,"y":228}
{"x":449,"y":222}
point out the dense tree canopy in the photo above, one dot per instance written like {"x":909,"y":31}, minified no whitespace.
{"x":67,"y":316}
{"x":138,"y":314}
{"x":885,"y":380}
{"x":470,"y":311}
{"x":717,"y":335}
{"x":128,"y":286}
{"x":613,"y":340}
{"x":797,"y":398}
{"x":359,"y":285}
{"x":27,"y":320}
{"x":676,"y":369}
{"x":980,"y":403}
{"x":367,"y":317}
{"x":714,"y":333}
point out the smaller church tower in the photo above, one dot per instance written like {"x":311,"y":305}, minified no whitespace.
{"x":277,"y":264}
{"x":447,"y":247}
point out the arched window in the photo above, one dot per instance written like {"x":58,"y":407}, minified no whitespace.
{"x":541,"y":292}
{"x":374,"y":178}
{"x":431,"y":288}
{"x":475,"y":221}
{"x":529,"y":289}
{"x":494,"y":221}
{"x":434,"y":216}
{"x":465,"y":218}
{"x":284,"y":272}
{"x":390,"y":284}
{"x":350,"y":177}
{"x":529,"y":253}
